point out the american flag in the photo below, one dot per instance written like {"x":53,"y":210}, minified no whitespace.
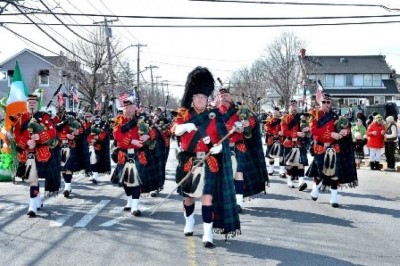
{"x":319,"y":94}
{"x":74,"y":93}
{"x":98,"y":106}
{"x":60,"y":99}
{"x":123,"y":96}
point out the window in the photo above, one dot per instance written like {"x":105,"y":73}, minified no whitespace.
{"x":349,"y":80}
{"x":329,"y":80}
{"x":3,"y":75}
{"x":367,"y":80}
{"x":377,"y":80}
{"x":10,"y":74}
{"x":353,"y":101}
{"x":379,"y":99}
{"x":339,"y":80}
{"x":44,"y":81}
{"x":44,"y":77}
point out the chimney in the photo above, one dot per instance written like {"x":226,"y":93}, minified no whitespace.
{"x":61,"y":53}
{"x":302,"y":53}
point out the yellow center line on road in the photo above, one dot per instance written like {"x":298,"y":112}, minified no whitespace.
{"x":191,"y":251}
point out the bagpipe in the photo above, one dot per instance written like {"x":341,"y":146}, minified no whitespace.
{"x":73,"y":124}
{"x":35,"y":127}
{"x":144,"y":129}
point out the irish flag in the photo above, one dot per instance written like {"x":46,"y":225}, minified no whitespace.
{"x":17,"y":97}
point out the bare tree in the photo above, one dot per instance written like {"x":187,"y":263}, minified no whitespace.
{"x":281,"y":65}
{"x":87,"y":68}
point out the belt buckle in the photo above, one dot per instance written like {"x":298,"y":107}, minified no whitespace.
{"x":200,"y":154}
{"x":326,"y":145}
{"x":130,"y":151}
{"x":31,"y":155}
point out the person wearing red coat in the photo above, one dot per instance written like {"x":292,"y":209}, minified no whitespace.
{"x":376,"y":141}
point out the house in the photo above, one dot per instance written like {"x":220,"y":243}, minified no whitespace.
{"x":38,"y":71}
{"x":356,"y":80}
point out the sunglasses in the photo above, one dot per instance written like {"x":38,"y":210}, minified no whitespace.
{"x":326,"y":102}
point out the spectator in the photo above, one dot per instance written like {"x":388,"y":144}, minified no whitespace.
{"x":359,"y":136}
{"x":390,"y":143}
{"x":375,"y":141}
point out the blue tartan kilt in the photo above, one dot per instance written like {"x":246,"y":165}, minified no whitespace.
{"x":209,"y":181}
{"x":51,"y":170}
{"x":72,"y":163}
{"x":148,"y":175}
{"x":241,"y":161}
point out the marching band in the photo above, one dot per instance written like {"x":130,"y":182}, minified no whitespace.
{"x":221,"y":159}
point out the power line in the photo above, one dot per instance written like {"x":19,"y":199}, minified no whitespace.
{"x":26,"y":39}
{"x":212,"y":26}
{"x":297,"y":3}
{"x":74,"y":32}
{"x":51,"y":37}
{"x":203,"y":18}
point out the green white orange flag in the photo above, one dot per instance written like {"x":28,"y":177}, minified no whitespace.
{"x":17,"y":97}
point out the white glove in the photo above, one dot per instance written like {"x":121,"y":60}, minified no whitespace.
{"x":216,"y":149}
{"x":183,"y":128}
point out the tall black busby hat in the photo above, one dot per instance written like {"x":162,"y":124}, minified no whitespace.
{"x":199,"y":81}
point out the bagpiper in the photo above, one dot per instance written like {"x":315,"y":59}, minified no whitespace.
{"x":274,"y":142}
{"x":37,"y":146}
{"x":326,"y":167}
{"x":295,"y":151}
{"x":74,"y":147}
{"x":128,"y":139}
{"x":250,"y":171}
{"x":200,"y":131}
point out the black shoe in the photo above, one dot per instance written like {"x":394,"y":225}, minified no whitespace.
{"x":303,"y":186}
{"x":94,"y":181}
{"x":282,"y":175}
{"x":39,"y":208}
{"x":314,"y":199}
{"x":188,"y":233}
{"x":137,"y":213}
{"x":154,"y":194}
{"x":127,"y":208}
{"x":334,"y":205}
{"x":239,"y":208}
{"x":31,"y":214}
{"x":208,"y":244}
{"x":66,"y":193}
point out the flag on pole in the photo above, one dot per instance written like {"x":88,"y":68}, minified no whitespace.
{"x":17,"y":97}
{"x":60,"y":99}
{"x":319,"y":94}
{"x":74,"y":93}
{"x":124,"y":96}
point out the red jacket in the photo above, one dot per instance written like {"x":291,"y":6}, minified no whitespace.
{"x":375,"y":141}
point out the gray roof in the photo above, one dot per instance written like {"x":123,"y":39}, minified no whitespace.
{"x":367,"y":64}
{"x":390,"y":89}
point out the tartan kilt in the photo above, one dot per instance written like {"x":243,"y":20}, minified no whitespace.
{"x":51,"y":170}
{"x":72,"y":164}
{"x":345,"y":163}
{"x":148,"y":173}
{"x":254,"y":182}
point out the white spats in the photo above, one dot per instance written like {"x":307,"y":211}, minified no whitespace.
{"x":333,"y":201}
{"x":208,"y":234}
{"x":315,"y":191}
{"x":189,"y":224}
{"x":239,"y":200}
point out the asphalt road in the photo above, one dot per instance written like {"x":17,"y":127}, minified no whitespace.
{"x":282,"y":227}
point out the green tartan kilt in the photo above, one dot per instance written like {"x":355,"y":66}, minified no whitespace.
{"x":51,"y":170}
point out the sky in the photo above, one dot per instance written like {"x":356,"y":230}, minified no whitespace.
{"x":176,"y":51}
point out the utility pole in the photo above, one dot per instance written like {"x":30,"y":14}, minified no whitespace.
{"x":138,"y":69}
{"x":108,"y":33}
